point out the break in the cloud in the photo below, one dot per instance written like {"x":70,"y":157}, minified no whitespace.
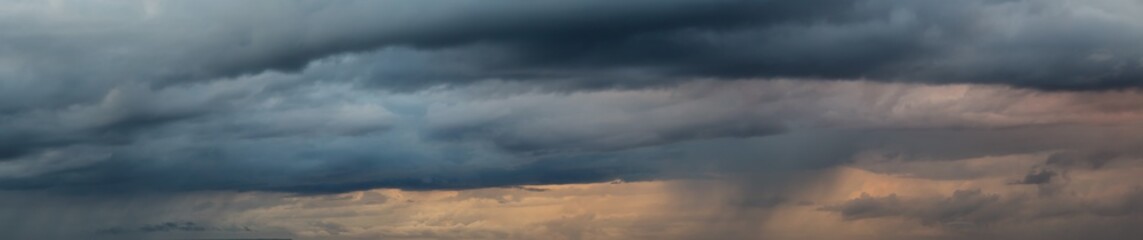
{"x":960,"y":119}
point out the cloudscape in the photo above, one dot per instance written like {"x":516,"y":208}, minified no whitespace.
{"x":576,"y":119}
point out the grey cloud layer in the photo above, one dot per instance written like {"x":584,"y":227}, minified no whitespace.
{"x":252,"y":133}
{"x":1050,"y":44}
{"x":118,"y":92}
{"x":103,"y":103}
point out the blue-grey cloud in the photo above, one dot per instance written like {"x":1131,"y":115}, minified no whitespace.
{"x":124,"y":100}
{"x":273,"y":132}
{"x":1048,"y":44}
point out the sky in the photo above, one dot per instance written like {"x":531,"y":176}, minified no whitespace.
{"x":579,"y":119}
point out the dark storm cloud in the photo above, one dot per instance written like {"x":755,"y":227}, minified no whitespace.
{"x":1024,"y":43}
{"x":176,"y":95}
{"x":1043,"y":176}
{"x":639,"y":43}
{"x":1045,"y":44}
{"x":196,"y":41}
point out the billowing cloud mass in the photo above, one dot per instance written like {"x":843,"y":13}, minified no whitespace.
{"x":587,"y":119}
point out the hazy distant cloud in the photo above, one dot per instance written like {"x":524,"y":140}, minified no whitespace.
{"x":967,"y":209}
{"x":174,"y":227}
{"x":1088,"y":159}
